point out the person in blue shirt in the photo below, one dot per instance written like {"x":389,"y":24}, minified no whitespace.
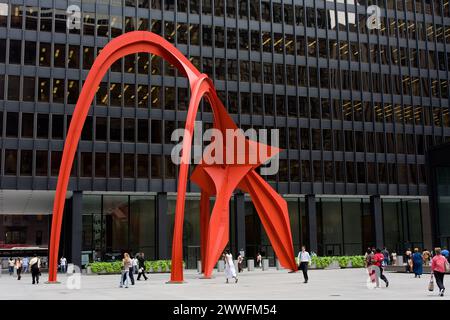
{"x":25,"y":265}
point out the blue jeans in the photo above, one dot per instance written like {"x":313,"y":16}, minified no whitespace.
{"x":124,"y":278}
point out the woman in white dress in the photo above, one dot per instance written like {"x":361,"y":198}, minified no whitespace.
{"x":230,"y":270}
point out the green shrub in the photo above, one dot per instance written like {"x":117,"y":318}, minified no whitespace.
{"x":323,"y":262}
{"x":357,"y":261}
{"x":343,"y":261}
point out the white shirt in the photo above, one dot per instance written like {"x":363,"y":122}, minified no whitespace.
{"x":63,"y":261}
{"x":303,"y":256}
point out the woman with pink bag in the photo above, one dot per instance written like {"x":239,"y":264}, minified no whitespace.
{"x":439,"y":265}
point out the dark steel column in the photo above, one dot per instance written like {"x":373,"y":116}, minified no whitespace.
{"x":311,"y":213}
{"x":77,"y":227}
{"x":239,"y":211}
{"x":162,"y":222}
{"x":376,"y":211}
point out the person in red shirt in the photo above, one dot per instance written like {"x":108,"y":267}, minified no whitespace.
{"x":377,"y":261}
{"x":438,"y":268}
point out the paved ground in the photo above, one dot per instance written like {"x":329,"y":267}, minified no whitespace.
{"x":256,"y":285}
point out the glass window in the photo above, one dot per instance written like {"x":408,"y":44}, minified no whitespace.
{"x":156,"y":131}
{"x":42,"y":126}
{"x":10,"y":162}
{"x":143,"y":166}
{"x":28,"y":88}
{"x":13,"y":88}
{"x":100,"y":128}
{"x":16,"y":16}
{"x":44,"y":89}
{"x":12,"y":124}
{"x":56,"y":157}
{"x":26,"y":162}
{"x":46,"y":19}
{"x":156,"y":166}
{"x":57,"y":126}
{"x":41,"y":162}
{"x":128,"y":165}
{"x":30,"y":53}
{"x":128,"y":130}
{"x":15,"y":51}
{"x":114,"y":165}
{"x":27,"y":125}
{"x":100,"y":164}
{"x":45,"y":54}
{"x":58,"y":90}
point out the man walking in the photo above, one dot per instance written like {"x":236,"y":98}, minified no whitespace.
{"x":63,"y":263}
{"x":35,"y":265}
{"x":304,"y":260}
{"x":141,"y":262}
{"x":25,"y":265}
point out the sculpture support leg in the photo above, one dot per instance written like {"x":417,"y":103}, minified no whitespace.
{"x":226,"y":180}
{"x":204,"y":224}
{"x":273,"y":212}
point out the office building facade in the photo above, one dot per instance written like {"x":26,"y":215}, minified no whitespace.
{"x":357,"y":108}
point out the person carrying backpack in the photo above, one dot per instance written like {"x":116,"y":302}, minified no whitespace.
{"x":35,"y":265}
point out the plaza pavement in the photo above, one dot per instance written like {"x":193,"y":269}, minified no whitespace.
{"x":345,"y":284}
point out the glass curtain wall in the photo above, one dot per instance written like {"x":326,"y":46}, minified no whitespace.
{"x":113,"y":224}
{"x":402,"y":224}
{"x":345,"y":226}
{"x":191,"y":229}
{"x":443,"y":203}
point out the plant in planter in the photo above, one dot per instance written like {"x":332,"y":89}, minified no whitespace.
{"x":147,"y":266}
{"x":357,"y":261}
{"x":343,"y":261}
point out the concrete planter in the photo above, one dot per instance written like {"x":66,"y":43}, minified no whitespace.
{"x":333,"y":265}
{"x":89,"y":270}
{"x":349,"y":264}
{"x":265,"y":264}
{"x":251,"y":264}
{"x":199,"y":266}
{"x":220,"y":266}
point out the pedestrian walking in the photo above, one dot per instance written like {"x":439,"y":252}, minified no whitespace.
{"x":259,"y":260}
{"x":304,"y":260}
{"x":141,"y":264}
{"x":408,"y":260}
{"x":35,"y":265}
{"x":18,"y":266}
{"x":126,"y":265}
{"x":417,"y":259}
{"x":25,"y":265}
{"x":386,"y":255}
{"x":11,"y":266}
{"x":377,"y":261}
{"x":240,"y":260}
{"x":439,"y":265}
{"x":372,"y":270}
{"x":63,"y":264}
{"x":131,"y":270}
{"x":230,"y":270}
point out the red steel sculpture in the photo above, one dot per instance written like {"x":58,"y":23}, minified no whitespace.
{"x":219,"y":180}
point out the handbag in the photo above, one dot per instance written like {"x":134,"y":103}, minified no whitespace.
{"x":447,"y":266}
{"x":431,"y":284}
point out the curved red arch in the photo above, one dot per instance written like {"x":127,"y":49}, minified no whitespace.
{"x":277,"y":224}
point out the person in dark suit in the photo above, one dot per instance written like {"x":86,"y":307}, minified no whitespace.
{"x":141,"y":266}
